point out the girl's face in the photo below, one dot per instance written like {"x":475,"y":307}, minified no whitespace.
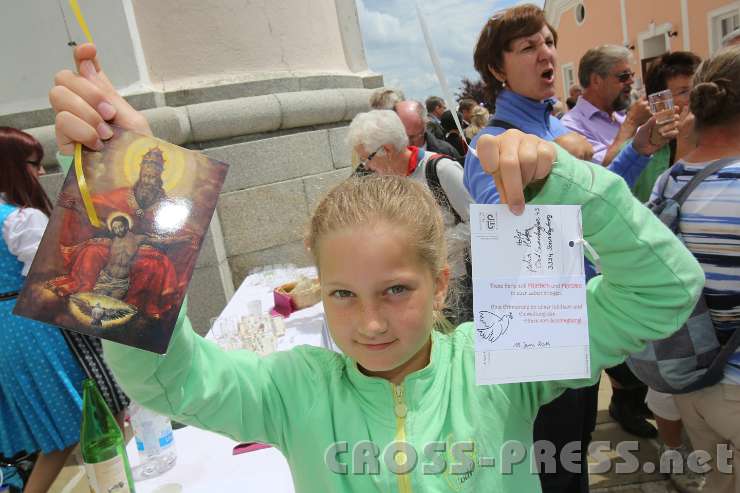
{"x":378,"y":298}
{"x":529,"y":65}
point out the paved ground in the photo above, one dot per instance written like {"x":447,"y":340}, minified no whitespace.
{"x":639,"y":482}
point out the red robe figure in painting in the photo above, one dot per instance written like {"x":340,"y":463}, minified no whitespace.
{"x":156,"y":279}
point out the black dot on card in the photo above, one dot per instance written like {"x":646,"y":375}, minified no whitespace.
{"x":571,"y":244}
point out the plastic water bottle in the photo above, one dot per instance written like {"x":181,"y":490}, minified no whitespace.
{"x":154,"y":441}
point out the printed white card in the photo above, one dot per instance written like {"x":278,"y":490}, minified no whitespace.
{"x":529,"y":293}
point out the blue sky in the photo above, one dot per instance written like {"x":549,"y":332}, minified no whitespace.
{"x":395,"y":47}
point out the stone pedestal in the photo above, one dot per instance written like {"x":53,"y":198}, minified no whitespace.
{"x":268,"y":87}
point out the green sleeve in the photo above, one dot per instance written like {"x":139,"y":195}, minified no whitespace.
{"x":236,"y":393}
{"x":650,"y":281}
{"x":659,"y":162}
{"x":65,"y":162}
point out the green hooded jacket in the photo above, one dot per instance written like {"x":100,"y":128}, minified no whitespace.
{"x":330,"y":420}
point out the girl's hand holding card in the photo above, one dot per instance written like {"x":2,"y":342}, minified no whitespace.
{"x":515,"y":160}
{"x":86,"y":101}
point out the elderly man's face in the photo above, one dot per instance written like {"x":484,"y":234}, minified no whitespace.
{"x":618,"y":85}
{"x":415,"y":128}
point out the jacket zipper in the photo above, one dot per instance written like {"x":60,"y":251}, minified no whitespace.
{"x":400,"y":410}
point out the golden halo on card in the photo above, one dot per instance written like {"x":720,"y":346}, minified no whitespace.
{"x":116,"y":214}
{"x":174,"y":161}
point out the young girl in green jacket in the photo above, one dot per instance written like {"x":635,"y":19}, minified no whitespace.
{"x":400,"y":410}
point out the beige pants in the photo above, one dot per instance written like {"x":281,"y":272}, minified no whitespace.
{"x":712,"y":418}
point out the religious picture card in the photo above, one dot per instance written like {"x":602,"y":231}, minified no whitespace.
{"x":120,"y":248}
{"x":529,"y":292}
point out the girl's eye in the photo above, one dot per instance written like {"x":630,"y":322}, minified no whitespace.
{"x":550,"y":42}
{"x":342,"y":293}
{"x":396,"y":290}
{"x":527,"y":48}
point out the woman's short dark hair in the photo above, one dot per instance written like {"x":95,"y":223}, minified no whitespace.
{"x":17,"y":184}
{"x":668,"y":66}
{"x":715,"y":98}
{"x":497,"y":35}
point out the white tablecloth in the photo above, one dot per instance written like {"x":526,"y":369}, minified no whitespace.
{"x":205,"y":464}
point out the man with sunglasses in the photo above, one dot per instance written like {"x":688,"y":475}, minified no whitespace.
{"x":599,"y":115}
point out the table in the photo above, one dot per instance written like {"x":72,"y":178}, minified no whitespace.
{"x":305,"y":326}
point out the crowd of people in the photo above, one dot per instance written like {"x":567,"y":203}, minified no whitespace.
{"x":392,"y":246}
{"x":609,"y":123}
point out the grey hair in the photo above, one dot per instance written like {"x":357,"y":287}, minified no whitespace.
{"x":386,"y":99}
{"x":375,"y":129}
{"x":600,"y":61}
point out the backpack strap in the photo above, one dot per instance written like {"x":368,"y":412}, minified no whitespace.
{"x":495,"y":122}
{"x":716,"y":370}
{"x":681,"y":196}
{"x":430,"y":172}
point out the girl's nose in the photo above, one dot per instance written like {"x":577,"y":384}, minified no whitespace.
{"x":373,"y":323}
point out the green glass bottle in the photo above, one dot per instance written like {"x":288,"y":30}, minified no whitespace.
{"x":102,"y":445}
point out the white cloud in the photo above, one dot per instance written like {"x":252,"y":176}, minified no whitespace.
{"x":395,"y":47}
{"x":380,"y":28}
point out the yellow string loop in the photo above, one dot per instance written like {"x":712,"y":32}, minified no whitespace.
{"x":84,"y":191}
{"x":80,"y":19}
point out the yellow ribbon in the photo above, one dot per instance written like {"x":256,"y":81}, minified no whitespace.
{"x":80,"y":19}
{"x":82,"y":185}
{"x":81,"y":182}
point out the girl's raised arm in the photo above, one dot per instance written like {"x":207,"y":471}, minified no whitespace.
{"x":650,"y":281}
{"x":235,"y":393}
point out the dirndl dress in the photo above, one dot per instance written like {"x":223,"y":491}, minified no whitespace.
{"x":40,"y":379}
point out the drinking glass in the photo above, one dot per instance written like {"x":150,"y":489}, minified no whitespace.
{"x":661,"y":105}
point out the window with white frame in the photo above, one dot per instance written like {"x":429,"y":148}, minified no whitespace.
{"x":722,"y":22}
{"x":569,"y":79}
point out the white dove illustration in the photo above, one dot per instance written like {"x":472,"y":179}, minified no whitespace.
{"x":494,"y":325}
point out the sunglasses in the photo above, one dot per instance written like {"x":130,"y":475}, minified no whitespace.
{"x":624,"y":76}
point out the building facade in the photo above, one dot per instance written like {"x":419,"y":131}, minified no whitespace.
{"x":649,"y":29}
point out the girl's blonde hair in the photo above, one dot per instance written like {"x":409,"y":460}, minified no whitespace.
{"x":370,"y":200}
